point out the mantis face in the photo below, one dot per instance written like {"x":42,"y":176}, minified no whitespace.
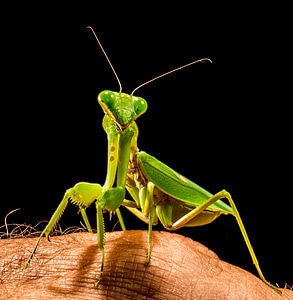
{"x":122,"y":108}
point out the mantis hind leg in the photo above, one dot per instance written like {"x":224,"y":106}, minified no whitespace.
{"x":196,"y":211}
{"x":236,"y":214}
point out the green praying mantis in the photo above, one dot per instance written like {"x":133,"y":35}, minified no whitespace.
{"x":157,"y":191}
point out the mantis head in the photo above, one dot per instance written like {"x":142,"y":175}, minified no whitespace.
{"x":122,"y":108}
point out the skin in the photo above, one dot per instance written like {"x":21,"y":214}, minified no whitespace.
{"x":66,"y":268}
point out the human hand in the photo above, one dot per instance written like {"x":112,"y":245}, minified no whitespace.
{"x":180,"y":268}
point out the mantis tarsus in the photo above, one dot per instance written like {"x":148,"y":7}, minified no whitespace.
{"x":157,"y":191}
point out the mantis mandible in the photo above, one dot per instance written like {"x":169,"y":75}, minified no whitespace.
{"x":157,"y":191}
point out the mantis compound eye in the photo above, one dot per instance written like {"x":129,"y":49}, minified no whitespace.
{"x":107,"y":99}
{"x":140,"y":105}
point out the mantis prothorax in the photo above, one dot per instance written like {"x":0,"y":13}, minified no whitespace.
{"x":157,"y":191}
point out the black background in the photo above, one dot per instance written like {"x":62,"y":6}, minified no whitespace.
{"x":223,"y":125}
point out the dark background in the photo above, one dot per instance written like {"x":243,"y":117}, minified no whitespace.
{"x":223,"y":125}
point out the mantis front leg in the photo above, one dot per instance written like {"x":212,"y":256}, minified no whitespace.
{"x":83,"y":194}
{"x":119,"y":145}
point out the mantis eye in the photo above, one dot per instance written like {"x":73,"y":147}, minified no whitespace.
{"x":107,"y":98}
{"x":140,"y":105}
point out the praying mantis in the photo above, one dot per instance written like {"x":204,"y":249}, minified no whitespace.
{"x":158,"y":193}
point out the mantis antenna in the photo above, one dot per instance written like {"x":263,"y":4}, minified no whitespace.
{"x":151,"y":80}
{"x":169,"y":72}
{"x":120,"y":86}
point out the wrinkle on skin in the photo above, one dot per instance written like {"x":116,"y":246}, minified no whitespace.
{"x":180,"y":268}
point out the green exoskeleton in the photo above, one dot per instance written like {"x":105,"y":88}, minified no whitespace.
{"x":157,"y":191}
